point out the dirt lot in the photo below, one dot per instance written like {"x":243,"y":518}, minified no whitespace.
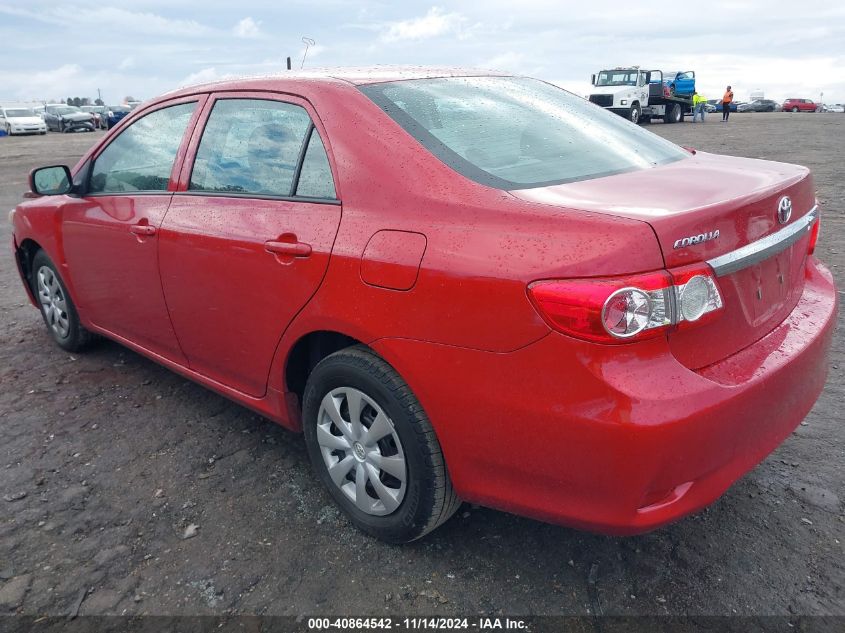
{"x":117,"y":456}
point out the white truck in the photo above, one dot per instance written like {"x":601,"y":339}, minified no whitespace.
{"x":639,"y":95}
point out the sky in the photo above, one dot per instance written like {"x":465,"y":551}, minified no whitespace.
{"x":55,"y":50}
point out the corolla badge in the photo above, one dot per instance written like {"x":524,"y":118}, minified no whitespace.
{"x":784,"y":209}
{"x":696,"y":239}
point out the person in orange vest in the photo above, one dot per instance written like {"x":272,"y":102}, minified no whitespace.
{"x":727,"y":99}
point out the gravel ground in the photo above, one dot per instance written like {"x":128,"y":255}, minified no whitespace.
{"x":118,"y":457}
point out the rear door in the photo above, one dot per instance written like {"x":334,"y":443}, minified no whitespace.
{"x":247,"y":239}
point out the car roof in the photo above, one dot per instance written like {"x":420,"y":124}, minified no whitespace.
{"x":356,"y":76}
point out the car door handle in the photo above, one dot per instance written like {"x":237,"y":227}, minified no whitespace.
{"x":142,"y":229}
{"x":297,"y":249}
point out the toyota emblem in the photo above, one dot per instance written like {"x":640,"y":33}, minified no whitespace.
{"x":784,"y":209}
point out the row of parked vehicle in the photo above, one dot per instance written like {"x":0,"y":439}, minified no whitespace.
{"x":58,"y":117}
{"x":790,"y":105}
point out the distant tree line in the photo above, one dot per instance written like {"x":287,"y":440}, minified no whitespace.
{"x":83,"y":101}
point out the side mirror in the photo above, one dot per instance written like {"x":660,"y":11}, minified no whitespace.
{"x":593,"y":79}
{"x":55,"y":180}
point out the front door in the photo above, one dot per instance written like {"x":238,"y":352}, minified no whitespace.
{"x":110,"y":234}
{"x":246,"y":244}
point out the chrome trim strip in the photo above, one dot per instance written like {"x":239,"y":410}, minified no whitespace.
{"x":764,"y":248}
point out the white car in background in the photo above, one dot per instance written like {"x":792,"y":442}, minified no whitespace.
{"x":21,"y":120}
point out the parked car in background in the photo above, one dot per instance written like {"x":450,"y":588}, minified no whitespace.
{"x":759,"y":105}
{"x":835,"y":107}
{"x":538,"y":340}
{"x":717,"y":105}
{"x":681,"y":83}
{"x":800,"y":105}
{"x":114,"y":114}
{"x":65,"y":118}
{"x":21,"y":121}
{"x":100,"y":113}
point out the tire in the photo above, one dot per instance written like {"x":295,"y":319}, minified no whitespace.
{"x":795,"y":109}
{"x":635,"y":113}
{"x":8,"y":130}
{"x":57,"y":308}
{"x":401,"y":511}
{"x":673,"y":114}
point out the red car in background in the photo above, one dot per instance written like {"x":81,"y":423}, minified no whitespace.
{"x":800,"y":105}
{"x":459,"y":286}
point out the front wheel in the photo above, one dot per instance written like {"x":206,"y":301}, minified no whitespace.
{"x":373,"y":447}
{"x":635,"y":113}
{"x":57,"y":307}
{"x":8,"y":129}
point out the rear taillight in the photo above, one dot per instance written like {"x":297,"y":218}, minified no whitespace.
{"x":625,"y":309}
{"x":814,"y":236}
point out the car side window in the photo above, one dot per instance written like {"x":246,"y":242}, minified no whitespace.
{"x":315,"y":177}
{"x":250,"y":146}
{"x":142,"y":157}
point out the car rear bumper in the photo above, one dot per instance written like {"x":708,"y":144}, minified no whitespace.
{"x":617,"y":439}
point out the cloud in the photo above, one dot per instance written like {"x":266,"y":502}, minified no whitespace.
{"x":127,"y":63}
{"x":433,"y":24}
{"x":139,"y":22}
{"x":204,"y":76}
{"x":248,"y":28}
{"x":114,"y":19}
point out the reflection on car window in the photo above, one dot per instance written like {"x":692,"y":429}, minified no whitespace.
{"x":514,"y":133}
{"x":315,"y":179}
{"x":250,"y":146}
{"x":142,"y":157}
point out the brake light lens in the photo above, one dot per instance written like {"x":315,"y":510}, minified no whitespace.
{"x":814,"y":236}
{"x":626,"y":309}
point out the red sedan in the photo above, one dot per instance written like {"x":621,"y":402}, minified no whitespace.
{"x":800,"y":105}
{"x":458,"y":286}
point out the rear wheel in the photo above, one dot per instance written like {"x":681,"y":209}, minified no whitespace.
{"x":57,"y":308}
{"x":795,"y":109}
{"x":673,"y":113}
{"x":8,"y":129}
{"x":373,"y":447}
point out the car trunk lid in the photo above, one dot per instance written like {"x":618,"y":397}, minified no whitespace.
{"x":705,"y":208}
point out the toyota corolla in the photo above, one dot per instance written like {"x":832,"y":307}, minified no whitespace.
{"x":458,"y":286}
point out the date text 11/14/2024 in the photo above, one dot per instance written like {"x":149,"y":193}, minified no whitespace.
{"x":417,"y":623}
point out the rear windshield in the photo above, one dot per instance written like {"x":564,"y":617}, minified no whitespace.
{"x":517,"y":133}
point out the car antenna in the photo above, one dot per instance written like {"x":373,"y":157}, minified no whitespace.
{"x":308,"y":43}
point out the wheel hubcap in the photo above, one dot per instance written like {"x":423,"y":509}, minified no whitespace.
{"x":53,"y":302}
{"x":361,"y":451}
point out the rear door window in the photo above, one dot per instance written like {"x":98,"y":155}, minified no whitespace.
{"x":251,"y":146}
{"x":142,"y":157}
{"x":315,"y":178}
